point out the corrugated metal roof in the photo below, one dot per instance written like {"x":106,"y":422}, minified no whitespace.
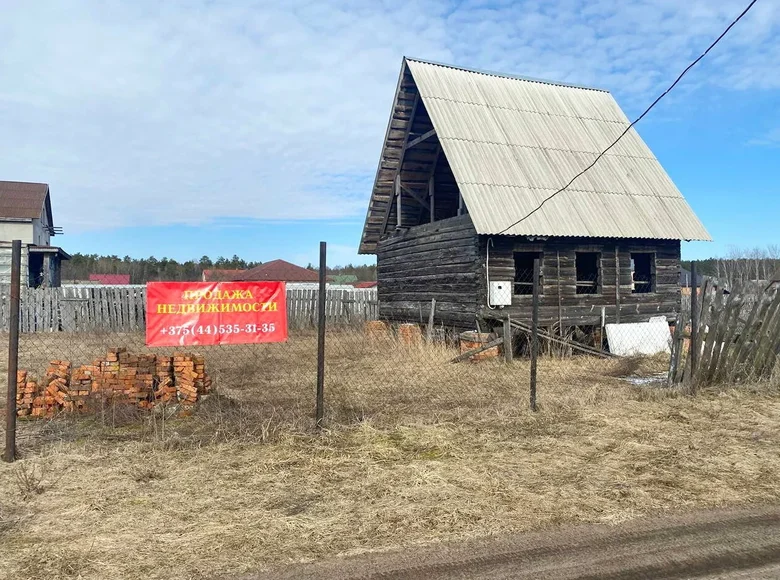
{"x":513,"y":142}
{"x":20,"y":200}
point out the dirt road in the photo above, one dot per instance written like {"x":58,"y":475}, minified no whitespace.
{"x":722,"y":544}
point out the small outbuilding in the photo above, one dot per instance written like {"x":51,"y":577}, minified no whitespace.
{"x":463,"y":203}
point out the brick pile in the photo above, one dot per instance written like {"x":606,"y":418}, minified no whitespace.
{"x":190,"y":378}
{"x":142,"y":381}
{"x":26,"y":394}
{"x":165,"y":390}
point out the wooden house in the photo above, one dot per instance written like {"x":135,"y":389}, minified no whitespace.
{"x":463,"y":203}
{"x":25,"y":214}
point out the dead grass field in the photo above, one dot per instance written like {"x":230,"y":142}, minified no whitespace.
{"x":416,"y":450}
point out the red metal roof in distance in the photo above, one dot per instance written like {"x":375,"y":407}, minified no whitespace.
{"x":110,"y":279}
{"x":365,"y":285}
{"x":279,"y":271}
{"x":217,"y":275}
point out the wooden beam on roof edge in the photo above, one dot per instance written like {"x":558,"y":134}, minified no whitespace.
{"x":397,"y":190}
{"x":420,"y":139}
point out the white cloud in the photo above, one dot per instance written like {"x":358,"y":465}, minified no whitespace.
{"x":769,"y":139}
{"x":155,"y":113}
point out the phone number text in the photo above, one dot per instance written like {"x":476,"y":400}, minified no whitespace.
{"x":219,"y":329}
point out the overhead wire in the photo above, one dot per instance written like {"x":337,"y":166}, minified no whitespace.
{"x":639,"y":118}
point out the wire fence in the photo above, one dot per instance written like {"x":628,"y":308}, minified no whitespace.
{"x":371,"y":369}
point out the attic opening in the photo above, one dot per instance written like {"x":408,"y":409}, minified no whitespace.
{"x":424,"y":189}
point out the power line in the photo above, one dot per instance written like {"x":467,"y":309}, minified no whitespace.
{"x":639,"y":118}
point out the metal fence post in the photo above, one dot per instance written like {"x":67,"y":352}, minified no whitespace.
{"x":13,"y":352}
{"x":694,"y":349}
{"x":535,"y":333}
{"x":321,"y":336}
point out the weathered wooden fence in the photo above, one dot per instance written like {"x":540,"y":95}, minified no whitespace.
{"x":737,"y":338}
{"x":123,"y":308}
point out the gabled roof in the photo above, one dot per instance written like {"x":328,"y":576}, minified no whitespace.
{"x":220,"y":275}
{"x":21,"y":200}
{"x":512,"y":142}
{"x":278,"y":271}
{"x":363,"y":285}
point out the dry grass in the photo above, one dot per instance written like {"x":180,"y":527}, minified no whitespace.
{"x":416,"y":451}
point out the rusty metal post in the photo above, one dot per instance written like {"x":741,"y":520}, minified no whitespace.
{"x":13,"y":352}
{"x":319,"y":413}
{"x":535,"y":333}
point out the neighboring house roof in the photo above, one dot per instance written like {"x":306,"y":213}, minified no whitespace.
{"x":279,"y":270}
{"x":217,"y":275}
{"x":366,"y":285}
{"x":512,"y":142}
{"x":20,"y":200}
{"x":110,"y":279}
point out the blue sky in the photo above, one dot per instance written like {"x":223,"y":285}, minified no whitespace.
{"x":186,"y":128}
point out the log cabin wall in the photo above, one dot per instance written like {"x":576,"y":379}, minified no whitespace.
{"x":438,"y":260}
{"x":560,"y":300}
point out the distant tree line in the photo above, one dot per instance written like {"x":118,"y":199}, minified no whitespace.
{"x":740,"y":265}
{"x":142,"y":270}
{"x":365,"y":273}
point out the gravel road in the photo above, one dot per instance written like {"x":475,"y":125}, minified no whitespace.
{"x":716,"y":544}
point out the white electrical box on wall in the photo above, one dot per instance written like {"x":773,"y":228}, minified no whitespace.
{"x":501,"y":293}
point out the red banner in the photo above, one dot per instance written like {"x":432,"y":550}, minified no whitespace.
{"x":195,"y":313}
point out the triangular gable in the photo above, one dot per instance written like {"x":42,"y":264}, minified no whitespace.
{"x":512,"y":142}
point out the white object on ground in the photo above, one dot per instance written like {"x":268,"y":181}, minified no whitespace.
{"x":639,"y":338}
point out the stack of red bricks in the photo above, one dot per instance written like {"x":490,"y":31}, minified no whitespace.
{"x":43,"y":399}
{"x":27,"y":396}
{"x":165,"y":390}
{"x":190,"y":378}
{"x":142,"y":381}
{"x":122,"y":376}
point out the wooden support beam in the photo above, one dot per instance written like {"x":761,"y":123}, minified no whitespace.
{"x":429,"y":330}
{"x":694,"y":353}
{"x":399,"y":209}
{"x":420,"y":139}
{"x":460,"y":203}
{"x":431,"y":199}
{"x":432,"y":184}
{"x":565,"y":342}
{"x":508,"y":348}
{"x":420,"y":198}
{"x":388,"y":210}
{"x":396,"y":190}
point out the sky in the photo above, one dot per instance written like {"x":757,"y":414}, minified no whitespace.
{"x":220,"y":127}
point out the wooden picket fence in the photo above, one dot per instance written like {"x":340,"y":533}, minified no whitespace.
{"x":737,"y":341}
{"x":123,"y":308}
